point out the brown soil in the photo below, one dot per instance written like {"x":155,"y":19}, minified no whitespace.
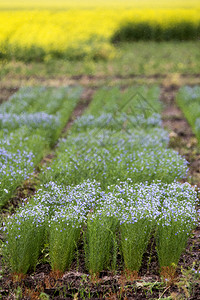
{"x":77,"y":284}
{"x":85,"y":100}
{"x":101,"y":80}
{"x":5,"y":93}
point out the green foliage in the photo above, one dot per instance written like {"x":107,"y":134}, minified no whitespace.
{"x":106,"y":165}
{"x":30,"y":122}
{"x":176,"y":222}
{"x":111,"y":150}
{"x":24,"y":238}
{"x":100,"y":241}
{"x":64,"y":232}
{"x":133,"y":101}
{"x":125,"y":156}
{"x":145,"y":31}
{"x":171,"y":241}
{"x":134,"y":240}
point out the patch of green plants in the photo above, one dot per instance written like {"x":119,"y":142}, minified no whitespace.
{"x":24,"y":234}
{"x":64,"y":232}
{"x":40,"y":99}
{"x":100,"y":239}
{"x":137,"y":211}
{"x":135,"y":100}
{"x":106,"y":165}
{"x":117,"y":121}
{"x":127,"y":141}
{"x":30,"y":123}
{"x":178,"y":219}
{"x":145,"y":31}
{"x":131,"y":139}
{"x":188,"y":100}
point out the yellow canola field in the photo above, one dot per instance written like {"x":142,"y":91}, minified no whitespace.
{"x":25,"y":4}
{"x":74,"y":32}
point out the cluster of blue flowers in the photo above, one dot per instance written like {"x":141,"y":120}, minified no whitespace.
{"x":107,"y":164}
{"x":116,"y":121}
{"x":130,"y":139}
{"x":15,"y":168}
{"x":41,"y":99}
{"x":32,"y":121}
{"x":157,"y":201}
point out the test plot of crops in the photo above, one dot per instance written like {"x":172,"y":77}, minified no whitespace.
{"x":112,"y":188}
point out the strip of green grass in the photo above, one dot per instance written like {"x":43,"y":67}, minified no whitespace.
{"x":141,"y":58}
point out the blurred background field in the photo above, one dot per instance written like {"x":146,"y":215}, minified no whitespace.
{"x":74,"y":30}
{"x":100,"y":3}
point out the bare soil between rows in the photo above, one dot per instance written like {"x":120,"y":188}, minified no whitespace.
{"x":77,"y":283}
{"x":5,"y":93}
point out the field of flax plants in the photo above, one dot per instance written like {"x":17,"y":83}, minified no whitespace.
{"x":112,"y":188}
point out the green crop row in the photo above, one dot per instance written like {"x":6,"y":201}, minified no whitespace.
{"x":135,"y":101}
{"x":30,"y":122}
